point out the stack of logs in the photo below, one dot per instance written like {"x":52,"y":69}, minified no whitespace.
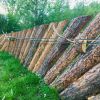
{"x":55,"y":53}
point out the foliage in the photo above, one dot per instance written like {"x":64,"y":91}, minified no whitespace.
{"x":16,"y":83}
{"x":23,"y":14}
{"x":3,"y":23}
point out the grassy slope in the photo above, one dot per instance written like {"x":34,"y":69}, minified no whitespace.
{"x":16,"y":83}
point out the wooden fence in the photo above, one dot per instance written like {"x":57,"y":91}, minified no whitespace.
{"x":66,"y":56}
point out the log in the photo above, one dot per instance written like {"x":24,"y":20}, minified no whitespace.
{"x":85,"y":86}
{"x":69,"y":55}
{"x":12,"y":43}
{"x":39,"y":34}
{"x":6,"y":44}
{"x":21,"y":41}
{"x":71,"y":32}
{"x":17,"y":43}
{"x":2,"y":41}
{"x":95,"y":97}
{"x":2,"y":38}
{"x":24,"y":47}
{"x":31,"y":34}
{"x":41,"y":46}
{"x":48,"y":47}
{"x":90,"y":59}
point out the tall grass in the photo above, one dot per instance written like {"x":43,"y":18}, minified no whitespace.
{"x":16,"y":83}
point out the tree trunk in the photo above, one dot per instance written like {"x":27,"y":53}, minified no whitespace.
{"x":90,"y":59}
{"x":59,"y":29}
{"x":41,"y":46}
{"x":32,"y":50}
{"x":57,"y":50}
{"x":84,"y":87}
{"x":69,"y":55}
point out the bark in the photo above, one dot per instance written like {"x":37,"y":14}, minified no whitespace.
{"x":29,"y":34}
{"x":71,"y":32}
{"x":90,"y":59}
{"x":24,"y":50}
{"x":59,"y":29}
{"x":41,"y":46}
{"x":6,"y":44}
{"x":84,"y":87}
{"x":2,"y":41}
{"x":95,"y":97}
{"x":32,"y":50}
{"x":1,"y":38}
{"x":17,"y":43}
{"x":21,"y":41}
{"x":12,"y":43}
{"x":69,"y":55}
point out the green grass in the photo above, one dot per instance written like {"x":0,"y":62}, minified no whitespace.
{"x":17,"y":83}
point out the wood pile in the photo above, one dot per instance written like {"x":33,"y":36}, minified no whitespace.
{"x":66,"y":55}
